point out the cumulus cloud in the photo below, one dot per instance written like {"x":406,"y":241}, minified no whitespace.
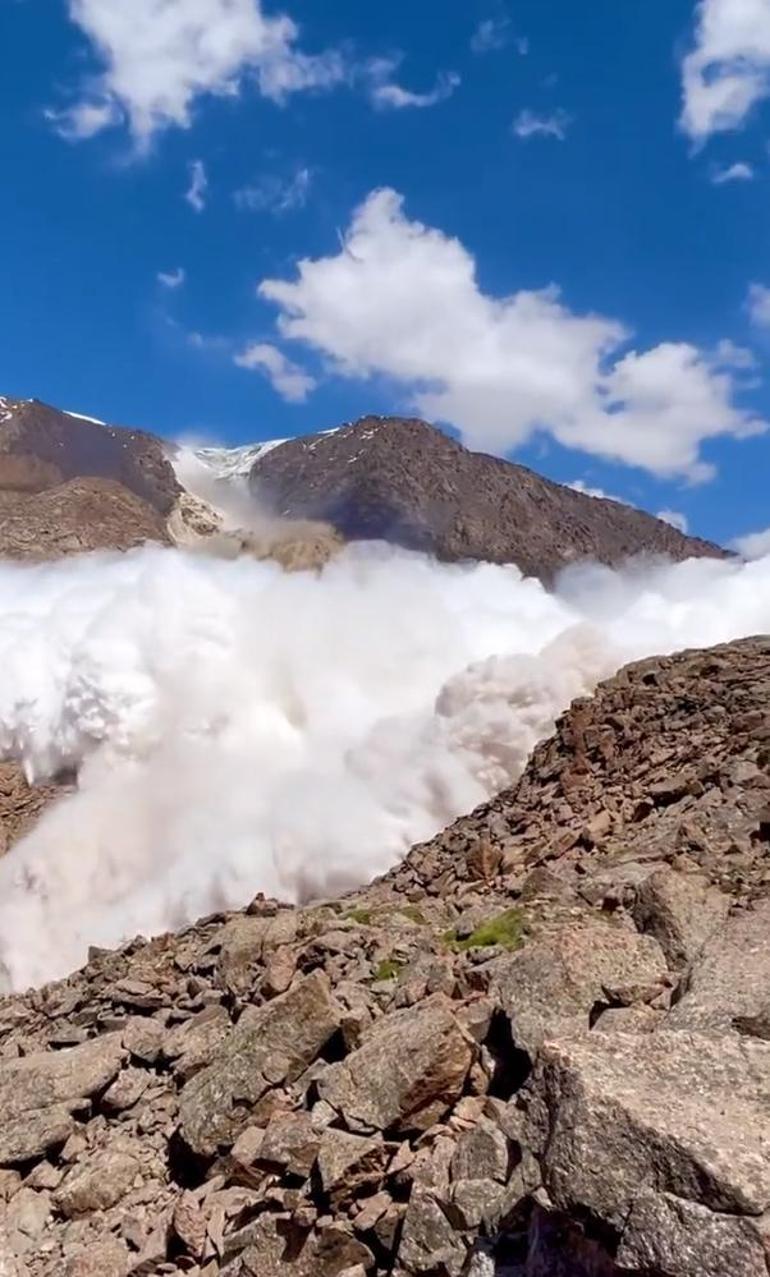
{"x":159,"y":56}
{"x":172,"y":279}
{"x":758,"y":305}
{"x":290,"y":381}
{"x":529,"y":124}
{"x":402,"y":300}
{"x":199,"y":185}
{"x":387,"y":94}
{"x":727,"y":70}
{"x":754,"y":545}
{"x":272,"y":194}
{"x":733,"y":173}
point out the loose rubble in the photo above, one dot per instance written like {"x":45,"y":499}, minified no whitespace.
{"x":540,"y":1047}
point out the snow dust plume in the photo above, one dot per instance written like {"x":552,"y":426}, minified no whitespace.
{"x":241,"y":729}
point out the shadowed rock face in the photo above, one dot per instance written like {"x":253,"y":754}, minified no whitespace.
{"x":69,"y":485}
{"x":540,"y":1047}
{"x":41,"y":447}
{"x":406,"y":482}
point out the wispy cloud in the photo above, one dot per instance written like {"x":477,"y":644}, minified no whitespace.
{"x":732,"y":173}
{"x":199,"y":185}
{"x":554,"y":124}
{"x":491,"y":34}
{"x":757,"y":305}
{"x":386,"y":93}
{"x":172,"y":279}
{"x":290,"y":381}
{"x":272,"y":194}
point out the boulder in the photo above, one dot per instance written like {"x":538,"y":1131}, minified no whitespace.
{"x":675,"y":1138}
{"x":682,"y":911}
{"x":39,"y":1094}
{"x":731,"y":979}
{"x":407,"y":1073}
{"x":557,"y":984}
{"x":270,"y":1045}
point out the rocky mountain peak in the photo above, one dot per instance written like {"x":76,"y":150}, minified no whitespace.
{"x":403,"y":480}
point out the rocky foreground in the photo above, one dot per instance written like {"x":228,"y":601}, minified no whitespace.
{"x":539,"y":1048}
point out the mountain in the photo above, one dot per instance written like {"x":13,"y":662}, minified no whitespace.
{"x":70,"y":483}
{"x":409,"y":483}
{"x":540,"y":1047}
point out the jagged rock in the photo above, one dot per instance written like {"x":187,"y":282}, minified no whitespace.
{"x":97,"y":1184}
{"x":347,"y":1163}
{"x":144,"y":1039}
{"x":271,"y":1045}
{"x":553,"y":985}
{"x":732,"y":976}
{"x":619,"y":1131}
{"x":290,"y":1143}
{"x":39,"y":1094}
{"x":280,"y":1249}
{"x":682,"y":911}
{"x":410,"y":1069}
{"x":668,"y":1234}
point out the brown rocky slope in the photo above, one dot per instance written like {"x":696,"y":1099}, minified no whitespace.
{"x":538,"y":1048}
{"x":407,"y":482}
{"x":68,"y":484}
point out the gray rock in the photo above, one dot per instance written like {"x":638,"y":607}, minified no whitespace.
{"x":39,"y":1093}
{"x":732,"y":976}
{"x":552,"y":985}
{"x":668,"y":1234}
{"x":274,"y":1044}
{"x":408,"y":1072}
{"x":687,"y":1118}
{"x":682,"y":911}
{"x":97,"y":1184}
{"x":348,"y":1163}
{"x":290,"y":1142}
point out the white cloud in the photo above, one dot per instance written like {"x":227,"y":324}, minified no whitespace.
{"x":527,"y":124}
{"x":579,"y":485}
{"x":758,"y":305}
{"x":199,"y":185}
{"x":727,"y":70}
{"x":84,"y":120}
{"x":386,"y":94}
{"x":173,"y":278}
{"x":733,"y":173}
{"x":289,"y":380}
{"x":159,"y":56}
{"x":402,"y":300}
{"x":755,"y":545}
{"x":675,"y":518}
{"x":490,"y":34}
{"x":273,"y":194}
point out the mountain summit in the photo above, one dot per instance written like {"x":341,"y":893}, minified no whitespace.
{"x":406,"y":482}
{"x":70,"y":483}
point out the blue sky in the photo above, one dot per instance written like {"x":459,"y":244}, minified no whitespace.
{"x":545,"y":224}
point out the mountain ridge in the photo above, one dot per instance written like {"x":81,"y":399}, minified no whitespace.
{"x":396,"y":479}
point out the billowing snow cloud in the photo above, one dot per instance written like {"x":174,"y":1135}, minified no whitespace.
{"x":241,"y":730}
